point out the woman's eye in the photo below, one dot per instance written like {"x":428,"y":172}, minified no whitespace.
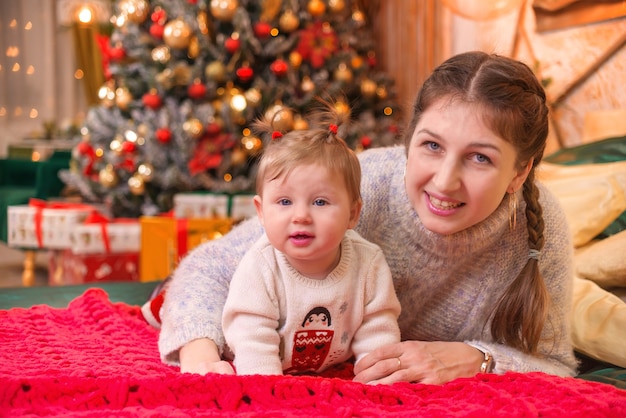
{"x":483,"y":159}
{"x":319,"y":202}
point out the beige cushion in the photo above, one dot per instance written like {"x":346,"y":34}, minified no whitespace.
{"x":603,"y":261}
{"x":598,"y":323}
{"x":592,"y":195}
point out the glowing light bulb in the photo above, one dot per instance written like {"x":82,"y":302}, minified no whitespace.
{"x":84,"y":14}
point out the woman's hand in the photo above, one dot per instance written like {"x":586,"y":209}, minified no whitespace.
{"x":201,"y":356}
{"x":418,"y":361}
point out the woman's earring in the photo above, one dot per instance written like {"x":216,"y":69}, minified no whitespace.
{"x":512,"y":210}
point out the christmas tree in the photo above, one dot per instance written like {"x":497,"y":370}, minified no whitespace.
{"x":187,"y":77}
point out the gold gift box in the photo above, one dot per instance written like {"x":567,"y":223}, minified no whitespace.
{"x":165,"y":240}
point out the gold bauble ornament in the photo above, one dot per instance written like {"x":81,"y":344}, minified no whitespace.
{"x":356,"y":62}
{"x":123,"y":98}
{"x":280,"y":117}
{"x":161,"y":54}
{"x":177,"y":34}
{"x":224,"y":10}
{"x":106,"y":94}
{"x":300,"y":124}
{"x":193,"y":127}
{"x":288,"y":21}
{"x":194,"y":48}
{"x":342,"y":108}
{"x":136,"y":185}
{"x":368,"y":88}
{"x":316,"y":7}
{"x":251,"y":144}
{"x":238,"y":157}
{"x":135,"y":10}
{"x":107,"y":176}
{"x":336,"y":6}
{"x":343,"y":73}
{"x":307,"y":84}
{"x":253,"y":96}
{"x":203,"y":23}
{"x":215,"y":71}
{"x":381,"y":92}
{"x":146,"y":171}
{"x":295,"y":59}
{"x":358,"y":17}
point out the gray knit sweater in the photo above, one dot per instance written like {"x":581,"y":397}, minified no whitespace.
{"x":447,"y":285}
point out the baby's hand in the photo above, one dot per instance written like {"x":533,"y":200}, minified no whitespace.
{"x":221,"y":367}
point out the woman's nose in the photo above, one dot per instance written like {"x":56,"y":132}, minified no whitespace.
{"x":448,"y":176}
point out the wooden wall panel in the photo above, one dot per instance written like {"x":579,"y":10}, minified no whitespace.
{"x":413,"y":41}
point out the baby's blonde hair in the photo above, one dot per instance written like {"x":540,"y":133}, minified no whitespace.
{"x":317,"y":145}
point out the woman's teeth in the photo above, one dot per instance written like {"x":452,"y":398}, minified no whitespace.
{"x":440,"y":204}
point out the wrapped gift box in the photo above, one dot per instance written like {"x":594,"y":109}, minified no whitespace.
{"x":242,"y":207}
{"x":165,"y":240}
{"x":115,"y":236}
{"x":44,"y":224}
{"x":201,"y":205}
{"x":66,"y":267}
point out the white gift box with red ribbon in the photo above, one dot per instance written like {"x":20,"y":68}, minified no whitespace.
{"x":201,"y":205}
{"x":43,"y":224}
{"x":101,"y":235}
{"x":242,"y":207}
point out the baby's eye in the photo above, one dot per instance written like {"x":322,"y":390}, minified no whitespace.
{"x":284,"y":202}
{"x":433,"y":146}
{"x":319,"y":202}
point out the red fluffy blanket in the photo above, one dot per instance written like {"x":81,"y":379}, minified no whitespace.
{"x":97,"y":358}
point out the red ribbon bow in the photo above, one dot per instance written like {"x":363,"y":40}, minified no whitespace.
{"x":40,"y":205}
{"x":97,"y":218}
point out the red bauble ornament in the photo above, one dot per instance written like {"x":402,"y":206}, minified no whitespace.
{"x":245,"y":73}
{"x":163,"y":135}
{"x":197,"y":90}
{"x":152,"y":100}
{"x":159,"y":16}
{"x":232,"y":45}
{"x":117,"y":53}
{"x":366,"y":142}
{"x":129,"y":147}
{"x":262,"y":29}
{"x":371,"y":60}
{"x":279,"y":67}
{"x":84,"y":148}
{"x":157,"y":30}
{"x":213,"y":129}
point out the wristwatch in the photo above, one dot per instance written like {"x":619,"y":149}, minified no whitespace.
{"x":487,"y":364}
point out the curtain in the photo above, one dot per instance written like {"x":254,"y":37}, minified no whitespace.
{"x":89,"y":60}
{"x":37,"y":66}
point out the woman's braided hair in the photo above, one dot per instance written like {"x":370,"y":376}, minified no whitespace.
{"x":513,"y":103}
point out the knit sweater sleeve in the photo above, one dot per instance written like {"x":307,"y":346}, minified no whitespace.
{"x":252,"y":313}
{"x":556,"y":354}
{"x":381,"y":310}
{"x":195,"y":297}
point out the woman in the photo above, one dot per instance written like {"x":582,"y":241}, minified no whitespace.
{"x":480,"y":254}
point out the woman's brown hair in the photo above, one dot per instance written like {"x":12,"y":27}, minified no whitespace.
{"x":514,"y":106}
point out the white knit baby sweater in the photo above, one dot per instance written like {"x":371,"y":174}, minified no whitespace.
{"x":276,"y":319}
{"x":447,"y":285}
